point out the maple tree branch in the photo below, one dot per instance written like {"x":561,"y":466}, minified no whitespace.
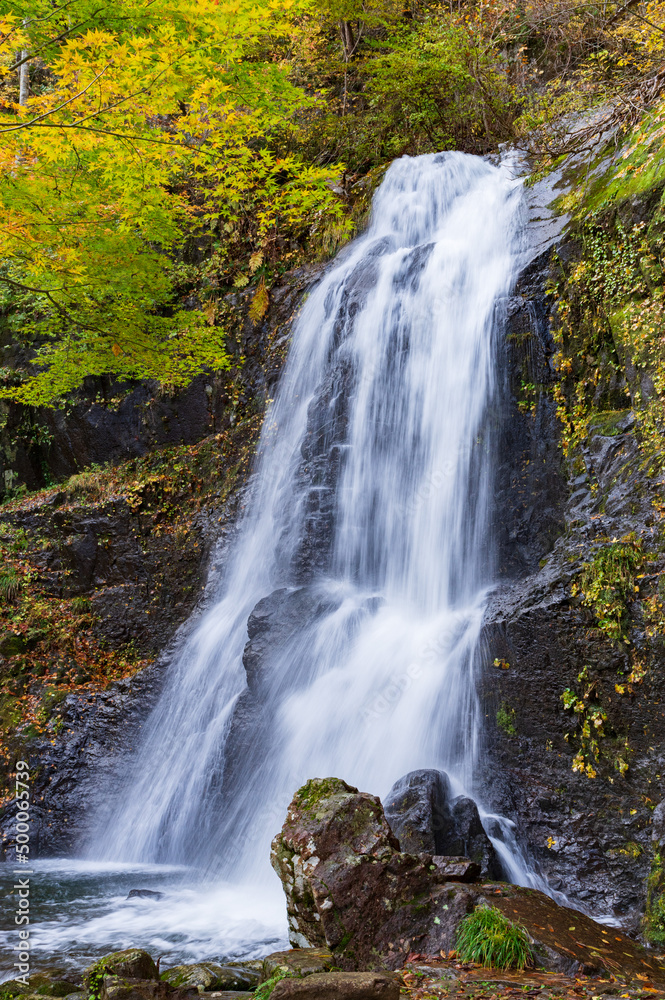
{"x":61,"y":309}
{"x":60,"y":37}
{"x":52,"y":41}
{"x":39,"y":118}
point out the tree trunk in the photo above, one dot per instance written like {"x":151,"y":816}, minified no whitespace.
{"x":24,"y":75}
{"x":23,"y":79}
{"x":348,"y":41}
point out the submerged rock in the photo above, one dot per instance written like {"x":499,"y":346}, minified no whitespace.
{"x":339,"y":986}
{"x":144,"y":894}
{"x":349,"y":887}
{"x":426,"y":817}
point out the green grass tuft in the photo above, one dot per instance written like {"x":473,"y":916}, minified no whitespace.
{"x":263,"y":991}
{"x":490,"y":939}
{"x":10,"y":585}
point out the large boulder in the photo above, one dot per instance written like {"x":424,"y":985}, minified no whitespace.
{"x":132,"y":975}
{"x":350,"y":888}
{"x":416,"y":808}
{"x":340,"y":866}
{"x":426,"y":817}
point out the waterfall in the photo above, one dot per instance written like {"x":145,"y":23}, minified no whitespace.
{"x":365,"y":555}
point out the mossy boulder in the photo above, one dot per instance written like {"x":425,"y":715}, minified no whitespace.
{"x":41,"y":984}
{"x":124,"y":988}
{"x":211,"y":977}
{"x":350,"y":889}
{"x":203,"y":974}
{"x":133,"y":963}
{"x":297,"y":962}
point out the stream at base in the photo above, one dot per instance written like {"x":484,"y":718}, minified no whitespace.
{"x":80,"y":911}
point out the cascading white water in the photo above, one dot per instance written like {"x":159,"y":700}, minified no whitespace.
{"x":370,"y":510}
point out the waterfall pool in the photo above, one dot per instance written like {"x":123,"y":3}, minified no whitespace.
{"x":80,"y":911}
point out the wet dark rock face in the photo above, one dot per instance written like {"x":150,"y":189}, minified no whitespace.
{"x":277,"y":632}
{"x":530,"y":488}
{"x":591,"y":836}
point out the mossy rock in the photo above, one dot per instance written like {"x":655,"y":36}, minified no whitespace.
{"x":317,"y":789}
{"x":654,"y":917}
{"x":250,"y":964}
{"x":39,"y":984}
{"x":297,"y":962}
{"x":24,"y":996}
{"x":124,"y":988}
{"x":133,"y":963}
{"x":12,"y":988}
{"x":609,"y":423}
{"x":210,"y":977}
{"x":11,"y":645}
{"x":204,"y":974}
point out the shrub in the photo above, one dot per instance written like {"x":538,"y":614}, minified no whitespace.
{"x":505,"y":719}
{"x":490,"y":939}
{"x":607,"y":583}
